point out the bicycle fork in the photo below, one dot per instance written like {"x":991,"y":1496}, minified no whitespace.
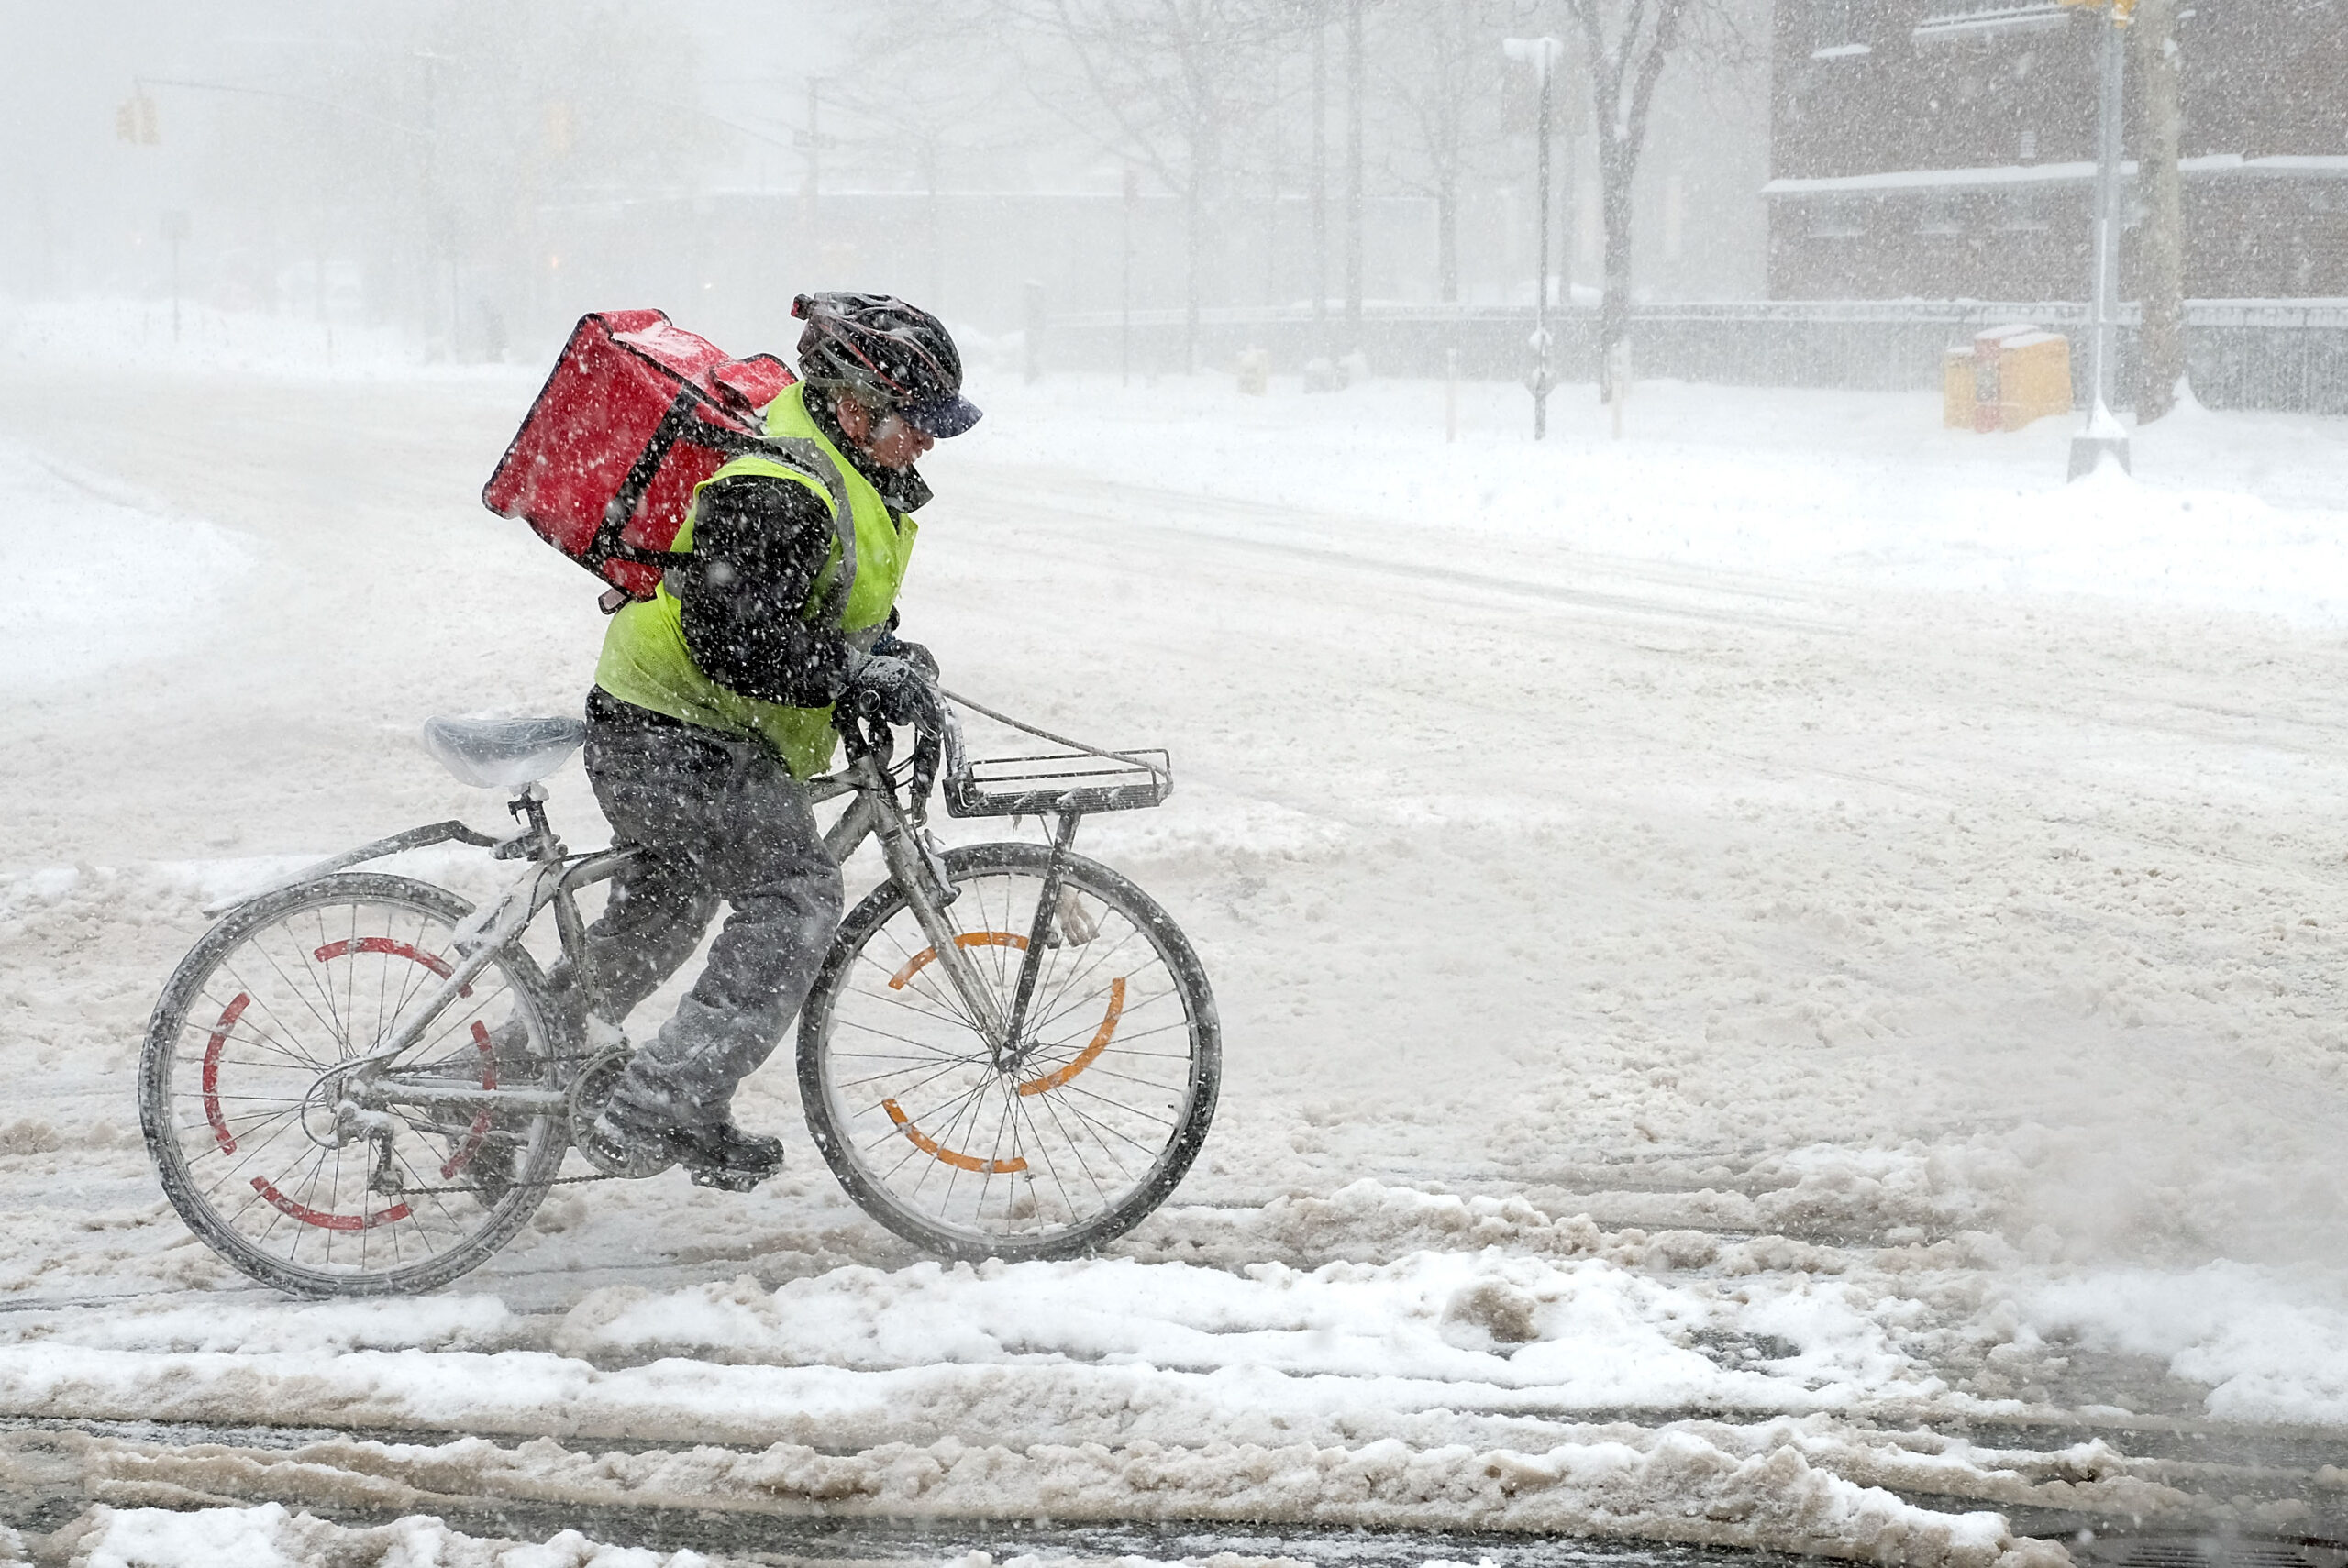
{"x":918,"y":870}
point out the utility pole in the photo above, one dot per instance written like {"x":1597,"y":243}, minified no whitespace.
{"x":1125,"y":293}
{"x":1272,"y":212}
{"x":175,"y":232}
{"x":811,"y":203}
{"x":1542,"y":55}
{"x":2104,"y":438}
{"x":1320,"y":181}
{"x":439,"y":214}
{"x":1353,"y":175}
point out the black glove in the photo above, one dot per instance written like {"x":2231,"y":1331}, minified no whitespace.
{"x":896,"y":688}
{"x":891,"y":645}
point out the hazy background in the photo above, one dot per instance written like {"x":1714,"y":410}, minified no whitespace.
{"x":479,"y":175}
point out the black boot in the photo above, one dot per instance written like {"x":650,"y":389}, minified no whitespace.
{"x":721,"y":1155}
{"x":714,"y":1153}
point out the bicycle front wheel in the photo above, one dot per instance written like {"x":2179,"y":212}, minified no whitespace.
{"x":1052,"y":1148}
{"x":247,"y":1118}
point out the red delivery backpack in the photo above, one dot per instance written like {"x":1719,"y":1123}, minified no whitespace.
{"x":635,"y":414}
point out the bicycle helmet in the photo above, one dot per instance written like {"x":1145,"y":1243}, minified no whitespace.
{"x":892,"y":356}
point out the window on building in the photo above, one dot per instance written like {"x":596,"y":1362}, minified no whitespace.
{"x":1838,"y":220}
{"x":2022,"y":211}
{"x":1830,"y":25}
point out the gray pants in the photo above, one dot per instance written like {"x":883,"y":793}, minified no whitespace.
{"x":717,"y":819}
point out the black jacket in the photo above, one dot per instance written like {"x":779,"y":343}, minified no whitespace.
{"x":759,"y":544}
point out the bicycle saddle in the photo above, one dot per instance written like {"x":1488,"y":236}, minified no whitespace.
{"x":502,"y":754}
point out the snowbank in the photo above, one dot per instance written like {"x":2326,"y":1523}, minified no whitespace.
{"x":1678,"y":1486}
{"x":137,"y":336}
{"x":2228,"y":511}
{"x":269,"y":1537}
{"x":2271,"y":1349}
{"x":100,"y":577}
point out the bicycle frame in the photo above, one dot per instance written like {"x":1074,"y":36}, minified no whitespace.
{"x":555,"y":877}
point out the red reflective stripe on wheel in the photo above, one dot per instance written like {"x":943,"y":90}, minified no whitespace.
{"x":325,"y":1221}
{"x":234,"y":1011}
{"x":480,"y":1128}
{"x":439,"y":965}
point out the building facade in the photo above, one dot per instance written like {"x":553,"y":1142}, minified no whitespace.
{"x":1944,"y":149}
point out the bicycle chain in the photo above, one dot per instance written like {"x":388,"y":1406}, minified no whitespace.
{"x":477,"y":1191}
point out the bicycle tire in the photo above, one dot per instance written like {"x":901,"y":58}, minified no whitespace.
{"x":257,"y":1004}
{"x":863,"y":1132}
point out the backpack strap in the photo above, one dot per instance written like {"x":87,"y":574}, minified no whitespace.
{"x":680,"y":423}
{"x":808,"y":457}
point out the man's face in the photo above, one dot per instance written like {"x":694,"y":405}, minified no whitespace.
{"x":897,"y":445}
{"x":887,"y":440}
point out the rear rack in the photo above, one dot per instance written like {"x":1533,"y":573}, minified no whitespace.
{"x":1058,"y":783}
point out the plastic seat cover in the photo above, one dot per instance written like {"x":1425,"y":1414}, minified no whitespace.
{"x":502,"y":754}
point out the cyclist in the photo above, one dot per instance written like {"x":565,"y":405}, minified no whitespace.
{"x":712,"y":701}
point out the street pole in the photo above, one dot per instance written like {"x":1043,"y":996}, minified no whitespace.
{"x":1541,"y":267}
{"x":175,"y":233}
{"x":1352,"y":176}
{"x":1542,"y":55}
{"x":1319,"y":182}
{"x":2104,"y":438}
{"x":1126,"y":296}
{"x":814,"y":160}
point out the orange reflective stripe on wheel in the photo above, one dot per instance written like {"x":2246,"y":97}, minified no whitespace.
{"x":938,"y":1151}
{"x":920,"y":961}
{"x":1092,"y":1053}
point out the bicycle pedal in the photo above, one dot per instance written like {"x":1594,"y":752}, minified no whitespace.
{"x":725,"y":1181}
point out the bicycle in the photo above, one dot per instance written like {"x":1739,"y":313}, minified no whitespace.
{"x":357,"y":1084}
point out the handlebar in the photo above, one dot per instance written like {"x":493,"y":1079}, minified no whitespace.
{"x":866,"y":733}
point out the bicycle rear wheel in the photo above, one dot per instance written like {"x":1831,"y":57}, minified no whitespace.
{"x":1081,"y":1132}
{"x":245,"y":1121}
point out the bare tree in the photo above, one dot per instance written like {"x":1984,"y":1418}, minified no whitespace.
{"x":924,"y":83}
{"x":1445,"y":72}
{"x":2160,"y":261}
{"x":1625,"y":44}
{"x":1173,"y":84}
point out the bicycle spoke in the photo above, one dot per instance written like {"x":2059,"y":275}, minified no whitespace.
{"x":238,"y":1092}
{"x":1081,"y":1124}
{"x":923,"y":981}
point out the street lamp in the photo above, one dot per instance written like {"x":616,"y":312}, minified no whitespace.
{"x":2104,"y":436}
{"x":1542,"y":55}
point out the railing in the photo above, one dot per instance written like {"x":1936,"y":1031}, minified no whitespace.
{"x":2261,"y":354}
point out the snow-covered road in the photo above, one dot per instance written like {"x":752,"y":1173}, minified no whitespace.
{"x":1730,"y":1035}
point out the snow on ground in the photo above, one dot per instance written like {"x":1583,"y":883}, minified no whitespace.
{"x":147,"y":337}
{"x":269,"y":1537}
{"x":136,"y":569}
{"x":2235,"y":511}
{"x":1740,"y":949}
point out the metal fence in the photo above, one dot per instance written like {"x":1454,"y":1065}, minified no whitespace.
{"x":2261,"y":354}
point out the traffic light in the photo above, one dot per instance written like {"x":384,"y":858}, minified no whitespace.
{"x":135,"y":122}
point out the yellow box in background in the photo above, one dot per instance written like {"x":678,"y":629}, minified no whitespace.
{"x":2009,"y":376}
{"x":1956,"y":389}
{"x":2034,"y":377}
